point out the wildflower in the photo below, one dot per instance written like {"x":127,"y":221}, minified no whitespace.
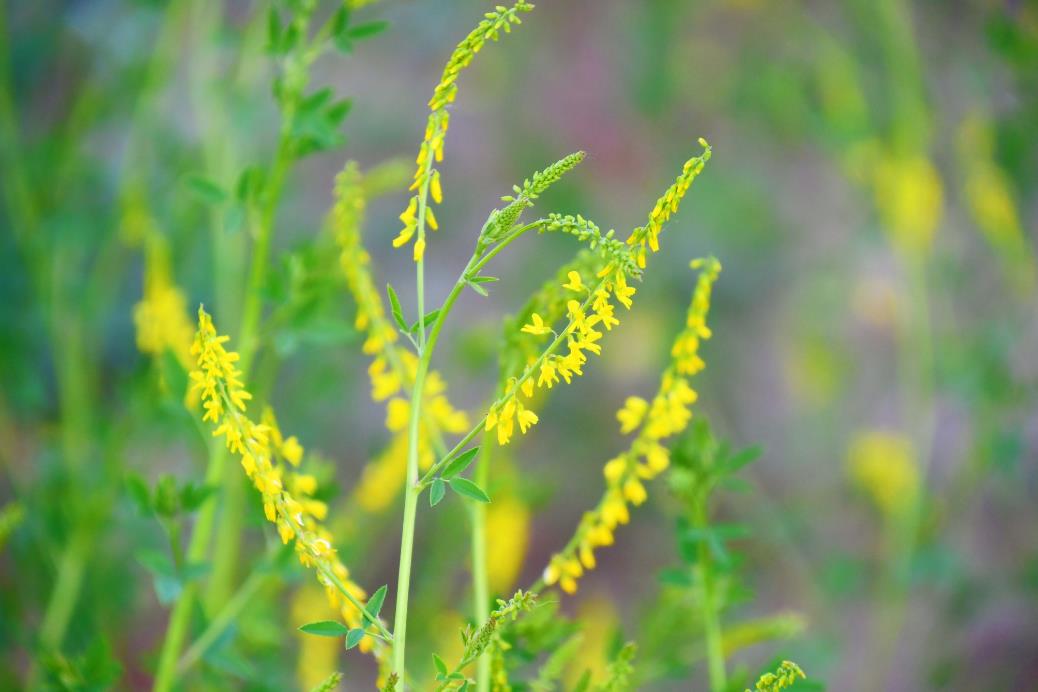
{"x":666,"y":415}
{"x":536,"y":326}
{"x":647,"y":236}
{"x":884,"y":465}
{"x":391,"y":370}
{"x":631,"y":415}
{"x":286,"y":495}
{"x":508,"y":521}
{"x":430,"y":151}
{"x":909,"y":198}
{"x":574,"y":283}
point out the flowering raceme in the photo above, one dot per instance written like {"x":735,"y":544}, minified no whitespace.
{"x":618,"y":262}
{"x":668,"y":414}
{"x":271,"y":460}
{"x":392,"y":369}
{"x":427,"y":178}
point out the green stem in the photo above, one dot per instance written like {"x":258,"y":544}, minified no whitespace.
{"x":66,"y":589}
{"x":480,"y":585}
{"x":711,"y":619}
{"x":180,"y":617}
{"x":223,"y":619}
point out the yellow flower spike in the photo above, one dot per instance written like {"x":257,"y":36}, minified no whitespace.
{"x":431,"y":148}
{"x":537,"y":327}
{"x":262,"y":448}
{"x":574,"y":283}
{"x":647,"y":236}
{"x":666,"y":415}
{"x":419,"y":249}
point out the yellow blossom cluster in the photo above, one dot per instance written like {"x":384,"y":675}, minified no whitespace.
{"x":391,"y":370}
{"x":667,"y":205}
{"x":581,"y":336}
{"x":668,"y":414}
{"x":426,"y":177}
{"x":271,"y":462}
{"x":884,"y":465}
{"x":161,"y":318}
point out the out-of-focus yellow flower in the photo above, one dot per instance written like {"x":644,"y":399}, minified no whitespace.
{"x":884,"y":465}
{"x":161,"y":318}
{"x":508,"y":524}
{"x":909,"y":199}
{"x":992,"y":203}
{"x":600,"y":619}
{"x":318,"y":656}
{"x":666,"y":415}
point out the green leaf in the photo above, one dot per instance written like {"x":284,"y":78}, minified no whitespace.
{"x":394,"y":306}
{"x":477,"y":288}
{"x":436,"y":491}
{"x":341,"y":20}
{"x":167,"y":497}
{"x":374,"y":604}
{"x":353,"y":637}
{"x":430,"y":317}
{"x":463,"y":486}
{"x":207,"y":190}
{"x":273,"y":31}
{"x":138,"y":490}
{"x":440,"y":665}
{"x":192,"y":495}
{"x":484,"y":279}
{"x":459,"y":463}
{"x":325,"y":628}
{"x":337,"y":112}
{"x":367,"y":30}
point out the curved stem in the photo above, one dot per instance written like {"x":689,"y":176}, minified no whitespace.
{"x":480,"y":583}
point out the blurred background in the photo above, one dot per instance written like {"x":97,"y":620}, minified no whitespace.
{"x":872,"y":197}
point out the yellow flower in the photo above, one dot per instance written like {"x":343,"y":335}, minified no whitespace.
{"x":668,"y":414}
{"x":631,"y":415}
{"x":574,"y":283}
{"x":262,"y":447}
{"x":537,"y":327}
{"x":508,"y":522}
{"x":884,"y":465}
{"x":431,"y":149}
{"x":909,"y":197}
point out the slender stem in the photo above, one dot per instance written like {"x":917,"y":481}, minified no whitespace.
{"x":480,"y":584}
{"x":180,"y":617}
{"x":230,"y":612}
{"x":711,"y":620}
{"x":411,"y":491}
